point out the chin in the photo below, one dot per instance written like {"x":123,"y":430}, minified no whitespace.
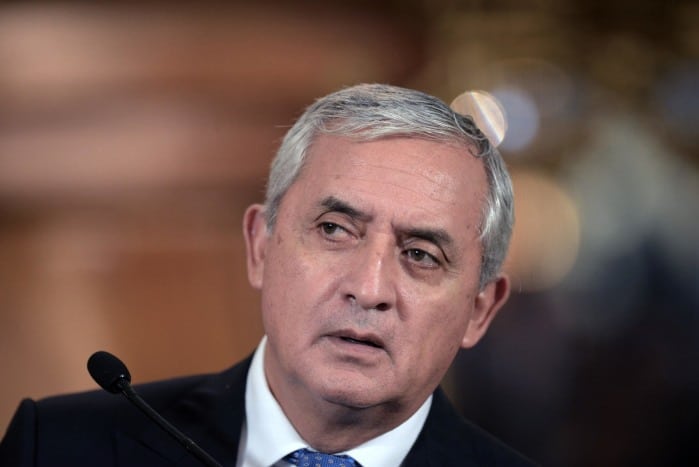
{"x":351,"y":397}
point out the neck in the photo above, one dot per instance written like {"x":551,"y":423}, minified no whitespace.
{"x":336,"y":428}
{"x":332,"y":425}
{"x":329,"y":419}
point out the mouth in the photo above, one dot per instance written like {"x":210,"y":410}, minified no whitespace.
{"x":369,"y":340}
{"x":362,"y":342}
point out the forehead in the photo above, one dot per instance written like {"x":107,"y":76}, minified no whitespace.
{"x":405,"y":178}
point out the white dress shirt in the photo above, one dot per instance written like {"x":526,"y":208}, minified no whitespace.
{"x":268,"y":436}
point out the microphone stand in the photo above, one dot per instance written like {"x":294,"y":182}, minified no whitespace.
{"x":192,"y":447}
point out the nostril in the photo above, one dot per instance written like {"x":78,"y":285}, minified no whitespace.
{"x":383,"y":306}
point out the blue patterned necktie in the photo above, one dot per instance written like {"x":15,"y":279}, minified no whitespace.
{"x":308,"y":458}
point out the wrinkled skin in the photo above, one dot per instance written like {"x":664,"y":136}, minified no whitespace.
{"x":369,"y":282}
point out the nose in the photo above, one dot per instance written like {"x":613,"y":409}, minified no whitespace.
{"x":370,"y":281}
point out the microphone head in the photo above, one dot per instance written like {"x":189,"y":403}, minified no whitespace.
{"x":108,"y":371}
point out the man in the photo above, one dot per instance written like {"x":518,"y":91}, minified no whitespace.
{"x":378,"y":255}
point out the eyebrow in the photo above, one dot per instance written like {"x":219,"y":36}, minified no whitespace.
{"x":438,"y":237}
{"x":337,"y":205}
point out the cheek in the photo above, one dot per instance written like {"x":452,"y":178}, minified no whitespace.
{"x":439,"y":326}
{"x":280,"y":287}
{"x":293,"y":285}
{"x":440,"y":346}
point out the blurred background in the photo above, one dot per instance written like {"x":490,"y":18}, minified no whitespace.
{"x":133,"y":135}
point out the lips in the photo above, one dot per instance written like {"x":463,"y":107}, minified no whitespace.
{"x":370,"y":340}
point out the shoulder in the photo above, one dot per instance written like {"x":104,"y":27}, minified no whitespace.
{"x":99,"y":405}
{"x":79,"y":428}
{"x":88,"y":425}
{"x":447,"y":439}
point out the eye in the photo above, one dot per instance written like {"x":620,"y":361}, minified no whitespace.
{"x":421,"y":257}
{"x":333,"y":232}
{"x":329,"y":228}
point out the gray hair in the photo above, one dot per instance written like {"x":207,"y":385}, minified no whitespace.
{"x":372,"y":111}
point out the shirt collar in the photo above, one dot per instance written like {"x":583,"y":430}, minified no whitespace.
{"x":270,"y":436}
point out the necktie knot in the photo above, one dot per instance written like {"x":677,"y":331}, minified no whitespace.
{"x":307,"y":458}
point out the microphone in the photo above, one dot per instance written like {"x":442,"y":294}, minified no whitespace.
{"x":113,"y":376}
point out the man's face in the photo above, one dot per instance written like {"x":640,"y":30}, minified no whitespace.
{"x":369,"y":278}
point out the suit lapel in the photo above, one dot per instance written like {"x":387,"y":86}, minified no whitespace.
{"x":441,"y":442}
{"x":211,"y":414}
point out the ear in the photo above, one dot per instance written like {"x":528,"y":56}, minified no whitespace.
{"x":486,"y":306}
{"x":255,"y":233}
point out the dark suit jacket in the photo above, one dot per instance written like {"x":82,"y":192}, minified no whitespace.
{"x":98,"y":429}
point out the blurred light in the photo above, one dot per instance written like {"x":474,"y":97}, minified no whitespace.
{"x":677,"y":97}
{"x":632,"y":193}
{"x":620,"y":181}
{"x":486,"y":111}
{"x":550,"y":87}
{"x":523,"y":117}
{"x":546,"y":237}
{"x":543,"y":104}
